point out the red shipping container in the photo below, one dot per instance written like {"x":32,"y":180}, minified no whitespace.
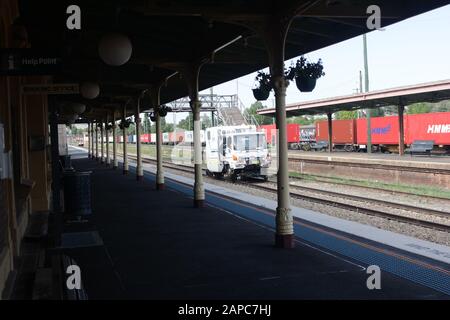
{"x":293,"y":132}
{"x":145,"y":138}
{"x":179,"y":136}
{"x":428,"y":126}
{"x":270,"y":131}
{"x":344,"y":131}
{"x":385,"y":130}
{"x":171,"y":137}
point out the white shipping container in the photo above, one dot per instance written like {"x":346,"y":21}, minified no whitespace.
{"x":165,"y":137}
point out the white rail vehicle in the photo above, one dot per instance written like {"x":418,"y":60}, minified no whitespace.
{"x":236,"y":151}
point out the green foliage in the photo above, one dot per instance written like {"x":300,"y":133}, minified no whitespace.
{"x":421,"y":107}
{"x":306,"y":69}
{"x":264,"y":80}
{"x":187,"y":123}
{"x":206,"y":122}
{"x":302,"y":120}
{"x":379,"y":112}
{"x":345,"y":115}
{"x":259,"y":118}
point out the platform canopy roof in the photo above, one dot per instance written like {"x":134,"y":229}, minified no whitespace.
{"x":424,"y":92}
{"x":166,"y":32}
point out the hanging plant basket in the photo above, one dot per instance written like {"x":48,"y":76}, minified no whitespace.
{"x":264,"y":83}
{"x":305,"y":83}
{"x":124,"y":124}
{"x":305,"y":74}
{"x":261,"y":94}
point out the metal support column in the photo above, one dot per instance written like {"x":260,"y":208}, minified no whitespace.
{"x":137,"y":118}
{"x":96,"y":142}
{"x":115,"y":164}
{"x":274,"y":33}
{"x":330,"y":131}
{"x":124,"y":135}
{"x":108,"y":158}
{"x":102,"y":143}
{"x":56,"y":185}
{"x":401,"y":129}
{"x":89,"y":139}
{"x":191,"y":73}
{"x":155,"y":95}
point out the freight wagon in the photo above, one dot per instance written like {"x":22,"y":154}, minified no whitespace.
{"x":293,"y":134}
{"x":344,"y":134}
{"x":145,"y":138}
{"x":384,"y":133}
{"x":429,"y":126}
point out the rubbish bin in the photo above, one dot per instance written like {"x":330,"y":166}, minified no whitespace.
{"x":77,"y":193}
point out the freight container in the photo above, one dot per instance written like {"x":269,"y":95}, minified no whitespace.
{"x":293,"y":133}
{"x":145,"y":138}
{"x":344,"y":133}
{"x":384,"y":131}
{"x":270,"y":131}
{"x":189,"y":136}
{"x":153,"y":138}
{"x":179,"y":136}
{"x":171,"y":138}
{"x":428,"y":126}
{"x":165,"y":138}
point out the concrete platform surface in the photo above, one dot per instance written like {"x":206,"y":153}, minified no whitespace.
{"x":156,"y":246}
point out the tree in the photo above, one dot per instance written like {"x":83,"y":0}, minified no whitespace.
{"x":378,"y":112}
{"x":252,"y":111}
{"x":206,"y":122}
{"x":341,"y":115}
{"x":302,"y":120}
{"x":421,"y":107}
{"x":186,"y":123}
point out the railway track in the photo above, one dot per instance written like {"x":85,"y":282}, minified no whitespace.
{"x":369,"y":206}
{"x":371,"y":165}
{"x":323,"y":179}
{"x":365,"y":205}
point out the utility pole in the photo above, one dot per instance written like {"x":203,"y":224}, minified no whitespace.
{"x":360,"y":82}
{"x":212,"y":106}
{"x":366,"y":78}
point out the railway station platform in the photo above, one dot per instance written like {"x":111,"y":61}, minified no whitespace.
{"x":141,"y":243}
{"x":423,"y":170}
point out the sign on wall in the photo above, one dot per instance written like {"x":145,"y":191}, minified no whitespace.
{"x":51,"y":88}
{"x":18,"y":62}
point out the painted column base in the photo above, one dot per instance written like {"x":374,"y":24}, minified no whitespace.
{"x":199,"y":203}
{"x":160,"y":186}
{"x":115,"y":167}
{"x":284,"y":241}
{"x":125,"y":172}
{"x":139,"y":178}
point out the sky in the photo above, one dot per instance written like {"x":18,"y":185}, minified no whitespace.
{"x":412,"y":51}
